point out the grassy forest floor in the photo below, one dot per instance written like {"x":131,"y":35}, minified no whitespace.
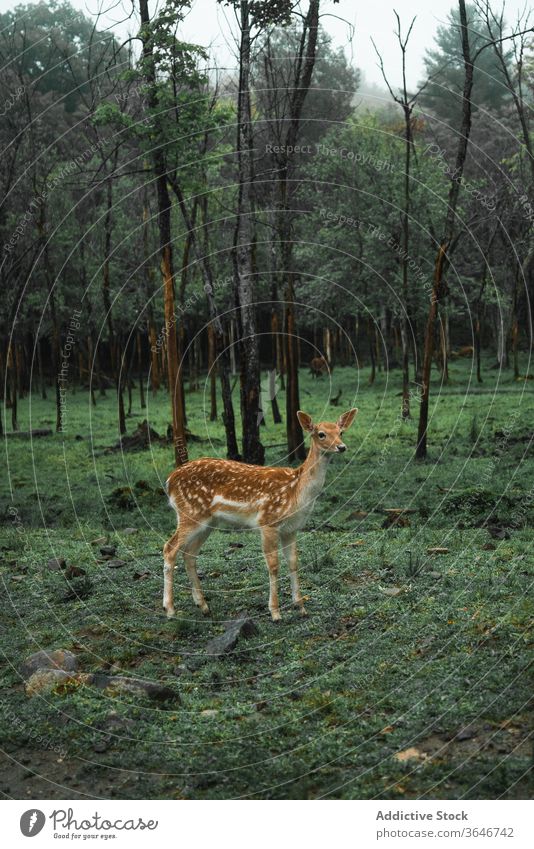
{"x":409,"y":678}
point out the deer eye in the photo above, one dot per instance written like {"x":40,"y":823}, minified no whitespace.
{"x":321,"y":435}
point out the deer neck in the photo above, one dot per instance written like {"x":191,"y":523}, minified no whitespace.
{"x":312,"y":474}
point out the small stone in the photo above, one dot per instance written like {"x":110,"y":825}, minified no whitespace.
{"x":235,"y":629}
{"x":116,"y":563}
{"x":80,"y":588}
{"x":140,"y":576}
{"x":58,"y":659}
{"x":244,"y":624}
{"x":108,"y":550}
{"x":102,"y":745}
{"x":209,"y":712}
{"x":392,"y":591}
{"x":55,"y":564}
{"x":74,"y":572}
{"x":136,"y":687}
{"x":46,"y":680}
{"x":128,"y":531}
{"x":466,"y":733}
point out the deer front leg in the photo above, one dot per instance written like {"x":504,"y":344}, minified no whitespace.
{"x":270,"y":552}
{"x":289,"y":545}
{"x":170,"y":551}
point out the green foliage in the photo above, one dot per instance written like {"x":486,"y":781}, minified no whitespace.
{"x":444,"y":67}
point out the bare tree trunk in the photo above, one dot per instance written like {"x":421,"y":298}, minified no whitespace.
{"x":139,"y":345}
{"x":149,"y":290}
{"x":42,"y":382}
{"x":13,"y":388}
{"x":295,"y":437}
{"x":212,"y":373}
{"x":289,"y":131}
{"x":119,"y":382}
{"x":253,"y":451}
{"x":275,"y":354}
{"x":372,"y":351}
{"x":448,"y":233}
{"x":164,"y":223}
{"x":90,"y":357}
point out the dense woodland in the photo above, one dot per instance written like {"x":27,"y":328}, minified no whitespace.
{"x":164,"y":220}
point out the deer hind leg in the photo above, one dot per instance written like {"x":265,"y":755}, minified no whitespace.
{"x":289,"y":547}
{"x":270,"y":552}
{"x":191,"y":550}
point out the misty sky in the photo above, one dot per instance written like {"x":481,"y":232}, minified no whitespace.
{"x":209,"y":23}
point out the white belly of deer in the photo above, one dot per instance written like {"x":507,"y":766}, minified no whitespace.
{"x":241,"y":514}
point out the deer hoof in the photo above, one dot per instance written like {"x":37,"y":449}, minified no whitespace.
{"x":276,"y":615}
{"x":170,"y":612}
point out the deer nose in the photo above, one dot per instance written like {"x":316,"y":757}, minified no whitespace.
{"x":341,"y":447}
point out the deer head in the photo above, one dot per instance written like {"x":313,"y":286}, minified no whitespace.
{"x":326,"y":436}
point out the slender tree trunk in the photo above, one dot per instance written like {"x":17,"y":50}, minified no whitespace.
{"x":253,"y":451}
{"x":477,"y":348}
{"x":164,"y":224}
{"x":42,"y":382}
{"x":139,"y":345}
{"x":295,"y":437}
{"x":372,"y":351}
{"x":212,"y":372}
{"x":448,"y":233}
{"x":405,"y":323}
{"x":90,"y":359}
{"x":149,"y":289}
{"x":275,"y":354}
{"x":13,"y":389}
{"x":119,"y":381}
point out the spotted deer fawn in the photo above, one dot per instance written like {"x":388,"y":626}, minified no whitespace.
{"x":208,"y":493}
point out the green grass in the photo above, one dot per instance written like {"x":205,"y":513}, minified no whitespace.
{"x":402,"y":649}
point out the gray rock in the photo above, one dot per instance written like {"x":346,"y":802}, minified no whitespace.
{"x":135,"y":687}
{"x":58,"y":659}
{"x":46,"y":680}
{"x":116,"y":564}
{"x":113,"y":728}
{"x":55,"y":564}
{"x":244,"y":624}
{"x":108,"y":550}
{"x":235,"y":630}
{"x":466,"y":733}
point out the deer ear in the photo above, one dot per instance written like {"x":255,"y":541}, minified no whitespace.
{"x":346,"y":419}
{"x":305,"y":421}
